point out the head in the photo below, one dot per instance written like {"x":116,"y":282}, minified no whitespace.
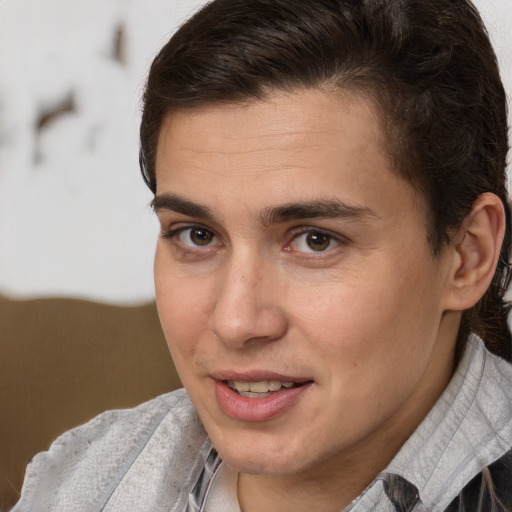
{"x":427,"y":67}
{"x":327,"y":173}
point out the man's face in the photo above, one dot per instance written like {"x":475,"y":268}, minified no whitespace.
{"x":295,"y":283}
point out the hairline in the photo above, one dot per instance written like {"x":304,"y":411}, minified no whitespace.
{"x":344,"y":87}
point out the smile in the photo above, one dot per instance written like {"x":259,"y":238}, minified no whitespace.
{"x":259,"y":400}
{"x":259,"y":389}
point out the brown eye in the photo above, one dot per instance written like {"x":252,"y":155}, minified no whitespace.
{"x":318,"y":241}
{"x":201,"y":236}
{"x":196,"y":237}
{"x":313,"y":240}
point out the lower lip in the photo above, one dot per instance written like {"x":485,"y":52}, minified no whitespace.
{"x":243,"y":408}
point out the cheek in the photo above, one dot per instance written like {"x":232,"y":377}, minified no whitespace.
{"x":377,"y":319}
{"x":183,"y":307}
{"x":182,"y":327}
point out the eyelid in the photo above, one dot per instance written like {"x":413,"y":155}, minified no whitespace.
{"x":172,"y":234}
{"x":299,"y":230}
{"x":336,"y":237}
{"x":177,"y":228}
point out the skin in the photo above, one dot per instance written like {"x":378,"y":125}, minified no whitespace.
{"x":367,"y":319}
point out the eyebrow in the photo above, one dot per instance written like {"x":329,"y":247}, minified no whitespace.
{"x":178,"y":204}
{"x":324,"y":208}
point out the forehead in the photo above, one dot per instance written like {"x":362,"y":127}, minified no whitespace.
{"x":298,"y":146}
{"x":296,"y":122}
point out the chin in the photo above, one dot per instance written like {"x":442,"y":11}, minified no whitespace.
{"x":264,"y":460}
{"x":260,"y":465}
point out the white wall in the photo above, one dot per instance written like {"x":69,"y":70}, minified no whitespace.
{"x":74,"y":219}
{"x":73,"y":208}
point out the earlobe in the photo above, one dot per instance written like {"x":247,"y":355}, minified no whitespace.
{"x":477,"y":250}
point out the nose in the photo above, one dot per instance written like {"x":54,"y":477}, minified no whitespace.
{"x":247,"y":306}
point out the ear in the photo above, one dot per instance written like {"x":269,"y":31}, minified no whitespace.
{"x":477,"y":248}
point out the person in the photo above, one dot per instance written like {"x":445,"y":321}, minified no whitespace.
{"x":329,"y":178}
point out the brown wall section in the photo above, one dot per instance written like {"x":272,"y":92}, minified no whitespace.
{"x":62,"y":362}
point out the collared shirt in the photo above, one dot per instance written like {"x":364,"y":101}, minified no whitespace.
{"x":458,"y":459}
{"x":158,"y":458}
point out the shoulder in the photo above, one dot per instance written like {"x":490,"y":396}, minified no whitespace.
{"x":84,"y":467}
{"x":489,"y":490}
{"x":466,"y":437}
{"x":491,"y":487}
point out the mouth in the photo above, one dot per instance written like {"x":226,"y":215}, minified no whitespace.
{"x":260,"y":389}
{"x":255,"y":398}
{"x":257,"y":394}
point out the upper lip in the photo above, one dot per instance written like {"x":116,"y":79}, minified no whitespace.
{"x":255,"y":376}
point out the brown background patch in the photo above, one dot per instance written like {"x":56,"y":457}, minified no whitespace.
{"x":62,"y":362}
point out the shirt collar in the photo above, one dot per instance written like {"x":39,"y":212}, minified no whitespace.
{"x":469,"y":427}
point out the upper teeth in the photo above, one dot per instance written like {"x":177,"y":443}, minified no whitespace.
{"x":263,"y":386}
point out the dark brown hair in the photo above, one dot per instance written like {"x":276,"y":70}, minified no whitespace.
{"x":428,"y":66}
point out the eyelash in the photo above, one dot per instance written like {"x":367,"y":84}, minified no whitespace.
{"x":296,"y":233}
{"x":310,"y":230}
{"x":171,"y":234}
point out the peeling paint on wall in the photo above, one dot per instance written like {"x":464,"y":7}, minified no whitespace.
{"x":74,"y":219}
